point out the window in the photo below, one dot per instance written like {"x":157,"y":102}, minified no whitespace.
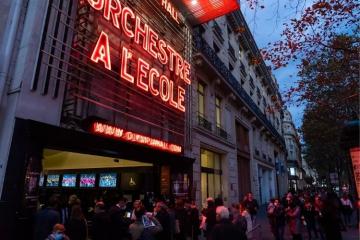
{"x":217,"y":31}
{"x":242,"y":69}
{"x":216,"y":48}
{"x":218,"y":112}
{"x":232,"y":53}
{"x":252,"y":85}
{"x":201,"y":99}
{"x":258,"y":93}
{"x":231,"y":67}
{"x":210,"y":174}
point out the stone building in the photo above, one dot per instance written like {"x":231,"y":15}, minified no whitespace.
{"x":237,"y":138}
{"x":293,"y":146}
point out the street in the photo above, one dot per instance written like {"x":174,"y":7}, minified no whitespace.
{"x":265,"y":233}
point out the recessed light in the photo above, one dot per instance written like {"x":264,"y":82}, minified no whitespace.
{"x":194,"y":2}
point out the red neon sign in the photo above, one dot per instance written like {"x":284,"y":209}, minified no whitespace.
{"x":142,"y":34}
{"x":167,"y":6}
{"x":119,"y":133}
{"x":201,"y":11}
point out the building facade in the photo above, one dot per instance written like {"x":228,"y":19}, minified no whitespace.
{"x":101,"y":105}
{"x":294,"y":159}
{"x":94,"y":101}
{"x":236,"y":119}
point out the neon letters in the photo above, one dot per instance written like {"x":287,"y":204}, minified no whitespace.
{"x":119,"y":133}
{"x":146,"y":78}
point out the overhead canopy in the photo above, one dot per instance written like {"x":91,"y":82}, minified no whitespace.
{"x":201,"y":11}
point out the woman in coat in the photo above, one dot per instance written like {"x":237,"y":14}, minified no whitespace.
{"x":293,"y":212}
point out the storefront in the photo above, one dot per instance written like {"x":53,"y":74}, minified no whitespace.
{"x":103,"y":106}
{"x":63,"y":161}
{"x":117,"y":75}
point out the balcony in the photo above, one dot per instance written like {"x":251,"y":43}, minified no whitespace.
{"x":243,"y":70}
{"x":231,"y":52}
{"x":204,"y":123}
{"x":217,"y":32}
{"x":221,"y":132}
{"x":215,"y":61}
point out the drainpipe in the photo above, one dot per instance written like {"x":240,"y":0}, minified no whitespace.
{"x":8,"y":44}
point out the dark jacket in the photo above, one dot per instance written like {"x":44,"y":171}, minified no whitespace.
{"x":76,"y":229}
{"x":101,"y":226}
{"x":164,"y":219}
{"x":226,"y":230}
{"x":45,"y":220}
{"x":252,"y":206}
{"x":192,"y":223}
{"x":180,"y":215}
{"x":119,"y":224}
{"x":210,"y":215}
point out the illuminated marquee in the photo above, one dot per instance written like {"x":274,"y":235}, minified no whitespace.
{"x":167,"y":6}
{"x":119,"y":133}
{"x":147,"y":79}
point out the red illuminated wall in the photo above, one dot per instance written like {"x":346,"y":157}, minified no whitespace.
{"x":201,"y":11}
{"x":98,"y":88}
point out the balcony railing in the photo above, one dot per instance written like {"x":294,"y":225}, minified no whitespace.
{"x":231,"y":52}
{"x":242,"y":70}
{"x":203,"y":122}
{"x":218,"y":32}
{"x":221,"y":132}
{"x":209,"y":53}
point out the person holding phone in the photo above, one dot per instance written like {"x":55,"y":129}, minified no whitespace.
{"x":145,"y":226}
{"x":119,"y":220}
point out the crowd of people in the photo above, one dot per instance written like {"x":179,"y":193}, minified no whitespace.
{"x":324,"y":215}
{"x":124,"y":220}
{"x":181,"y":220}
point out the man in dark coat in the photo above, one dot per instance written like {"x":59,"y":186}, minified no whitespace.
{"x":210,"y":214}
{"x":252,"y":205}
{"x":192,"y":222}
{"x":46,"y":218}
{"x":101,"y":223}
{"x":224,"y":229}
{"x":162,"y":215}
{"x":118,"y":222}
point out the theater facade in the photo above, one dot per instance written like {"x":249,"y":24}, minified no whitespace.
{"x":102,"y":105}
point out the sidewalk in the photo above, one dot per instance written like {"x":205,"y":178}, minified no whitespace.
{"x":350,"y":234}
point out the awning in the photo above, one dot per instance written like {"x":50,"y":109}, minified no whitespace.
{"x":201,"y":11}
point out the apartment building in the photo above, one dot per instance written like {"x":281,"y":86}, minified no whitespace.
{"x":236,"y":116}
{"x":293,"y":147}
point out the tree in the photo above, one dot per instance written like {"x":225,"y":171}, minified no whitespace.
{"x":330,"y":28}
{"x":321,"y":133}
{"x":323,"y":40}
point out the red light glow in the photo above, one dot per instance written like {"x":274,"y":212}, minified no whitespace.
{"x":119,"y":133}
{"x":102,"y":51}
{"x":201,"y":11}
{"x":132,"y":24}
